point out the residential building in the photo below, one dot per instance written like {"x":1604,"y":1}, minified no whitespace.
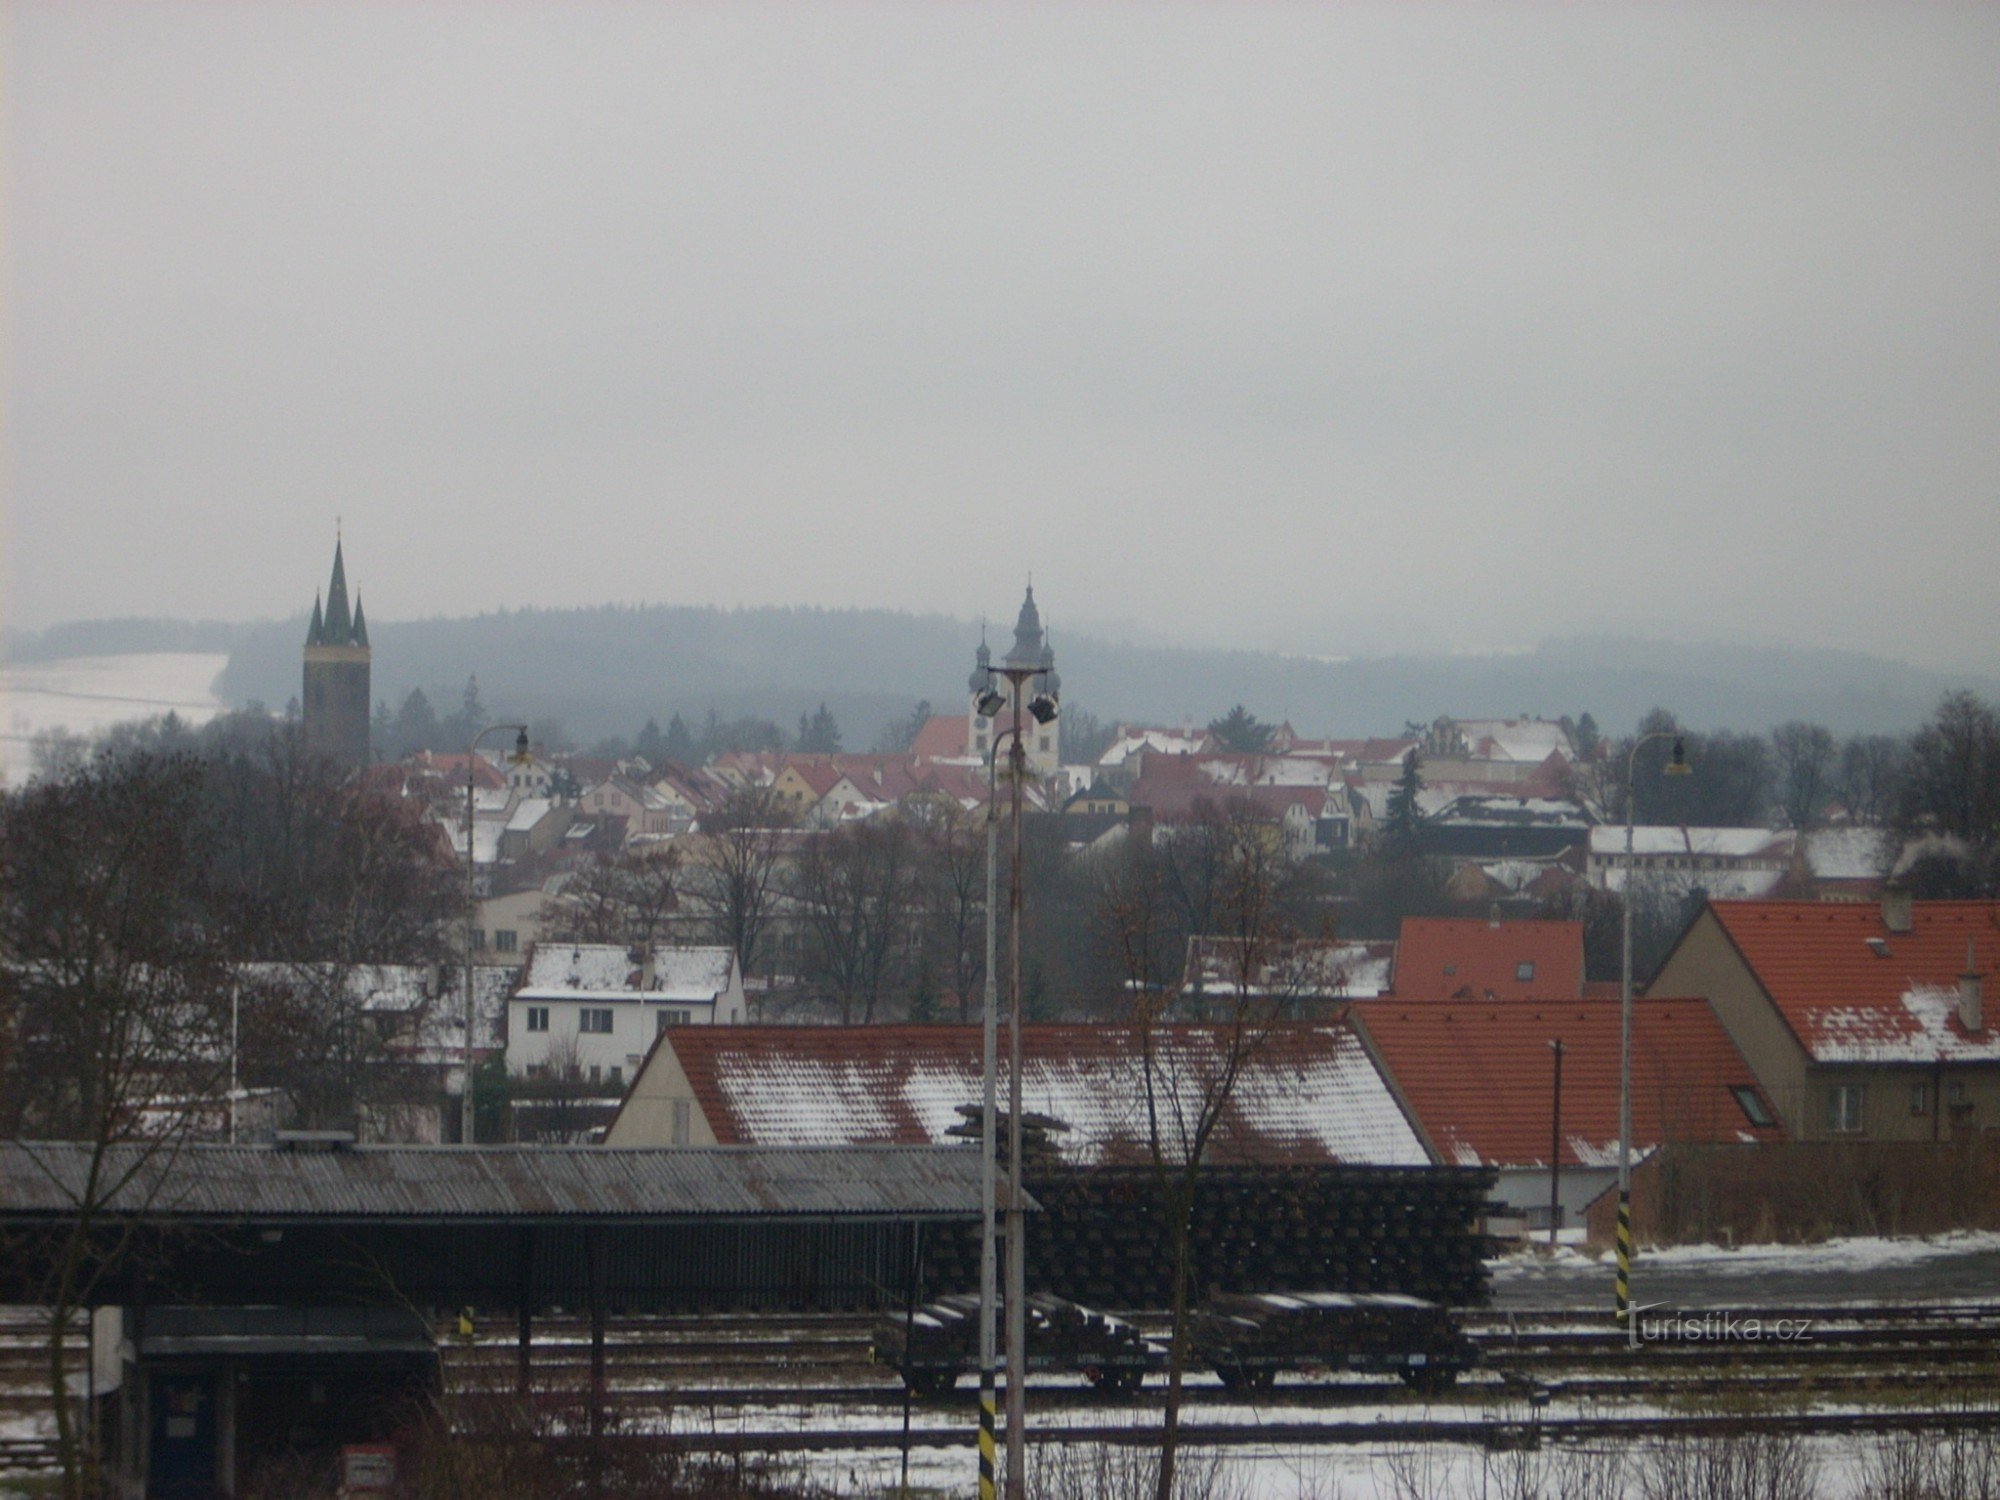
{"x":1304,"y":976}
{"x":1862,"y":1021}
{"x":508,"y":926}
{"x":593,"y":1009}
{"x":1465,"y":958}
{"x":1479,"y":1079}
{"x":1304,"y":1093}
{"x":1725,"y":863}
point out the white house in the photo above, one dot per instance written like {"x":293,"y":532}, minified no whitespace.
{"x":595,"y":1008}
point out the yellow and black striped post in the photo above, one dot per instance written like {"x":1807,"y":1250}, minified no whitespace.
{"x":988,"y":1464}
{"x":1624,"y":1257}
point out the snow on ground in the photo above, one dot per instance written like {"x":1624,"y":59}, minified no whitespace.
{"x":86,"y":695}
{"x":1281,"y":1471}
{"x":1859,"y":1253}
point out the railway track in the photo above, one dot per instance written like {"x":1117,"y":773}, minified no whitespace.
{"x":781,"y":1384}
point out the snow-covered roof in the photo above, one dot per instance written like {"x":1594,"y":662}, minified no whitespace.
{"x":1532,"y":740}
{"x":1926,"y":1029}
{"x":1305,"y":1092}
{"x":695,"y":975}
{"x":1652,"y":841}
{"x":1846,"y":853}
{"x":1133,"y":739}
{"x":529,"y":812}
{"x":1854,"y":990}
{"x":1306,"y":969}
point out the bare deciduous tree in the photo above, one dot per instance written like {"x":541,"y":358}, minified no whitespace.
{"x":1228,"y":872}
{"x":731,"y":877}
{"x":1803,"y":760}
{"x":856,"y":890}
{"x":113,"y":1005}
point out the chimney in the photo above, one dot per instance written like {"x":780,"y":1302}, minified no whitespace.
{"x":1493,"y":916}
{"x":1970,"y":1009}
{"x":1897,"y":912}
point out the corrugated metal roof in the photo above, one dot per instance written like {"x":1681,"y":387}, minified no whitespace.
{"x":203,"y":1182}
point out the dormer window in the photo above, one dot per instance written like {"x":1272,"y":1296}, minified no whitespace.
{"x":1753,"y":1106}
{"x":1524,"y":971}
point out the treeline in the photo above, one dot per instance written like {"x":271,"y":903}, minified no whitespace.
{"x":589,"y":667}
{"x":136,"y":877}
{"x":416,"y":725}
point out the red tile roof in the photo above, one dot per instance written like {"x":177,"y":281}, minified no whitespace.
{"x":1442,"y":958}
{"x":944,"y":736}
{"x":1479,"y":1076}
{"x":1308,"y":1092}
{"x":1853,"y":991}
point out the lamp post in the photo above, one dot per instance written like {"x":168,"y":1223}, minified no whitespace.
{"x":1678,"y":766}
{"x":1029,"y":660}
{"x":1556,"y":1144}
{"x":465,"y":1111}
{"x":988,"y":705}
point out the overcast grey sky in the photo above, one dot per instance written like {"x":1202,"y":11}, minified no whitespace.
{"x":1322,"y":327}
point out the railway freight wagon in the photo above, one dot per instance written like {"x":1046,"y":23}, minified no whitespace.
{"x":1101,"y":1238}
{"x":1248,"y":1339}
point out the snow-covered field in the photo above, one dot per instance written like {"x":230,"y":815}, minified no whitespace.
{"x":88,"y":694}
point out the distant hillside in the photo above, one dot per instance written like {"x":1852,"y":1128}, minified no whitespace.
{"x":605,"y":670}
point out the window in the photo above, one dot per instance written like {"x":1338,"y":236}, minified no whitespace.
{"x":1042,"y":742}
{"x":1524,"y":971}
{"x":665,"y":1018}
{"x":1843,"y":1109}
{"x":1958,"y":1096}
{"x":538,"y":1018}
{"x":507,"y":940}
{"x":617,"y":1077}
{"x":1920,"y":1098}
{"x":596,"y":1073}
{"x":1753,"y":1106}
{"x":592,"y":1019}
{"x":479,"y":937}
{"x":678,"y":1133}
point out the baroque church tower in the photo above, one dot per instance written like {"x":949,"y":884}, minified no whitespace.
{"x":337,"y":661}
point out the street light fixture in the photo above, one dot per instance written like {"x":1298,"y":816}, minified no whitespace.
{"x":520,"y":757}
{"x":1031,"y":659}
{"x":1678,"y":766}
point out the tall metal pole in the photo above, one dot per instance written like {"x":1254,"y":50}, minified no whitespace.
{"x":988,"y":1145}
{"x":465,"y":1109}
{"x":1017,"y":1250}
{"x":235,"y":1013}
{"x":1556,"y":1146}
{"x":1624,"y":1290}
{"x":1677,"y":767}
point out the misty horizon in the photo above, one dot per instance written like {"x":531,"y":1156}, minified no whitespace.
{"x":1336,"y":333}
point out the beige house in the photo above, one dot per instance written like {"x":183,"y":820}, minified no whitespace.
{"x":1861,"y":1021}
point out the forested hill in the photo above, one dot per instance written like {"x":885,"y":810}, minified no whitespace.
{"x":604,"y":671}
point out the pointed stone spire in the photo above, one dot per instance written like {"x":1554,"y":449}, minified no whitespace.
{"x":339,"y":623}
{"x":1027,"y":649}
{"x":316,"y":635}
{"x":360,"y":623}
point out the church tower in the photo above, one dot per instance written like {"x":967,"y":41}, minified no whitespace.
{"x":337,"y":660}
{"x":1031,"y":651}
